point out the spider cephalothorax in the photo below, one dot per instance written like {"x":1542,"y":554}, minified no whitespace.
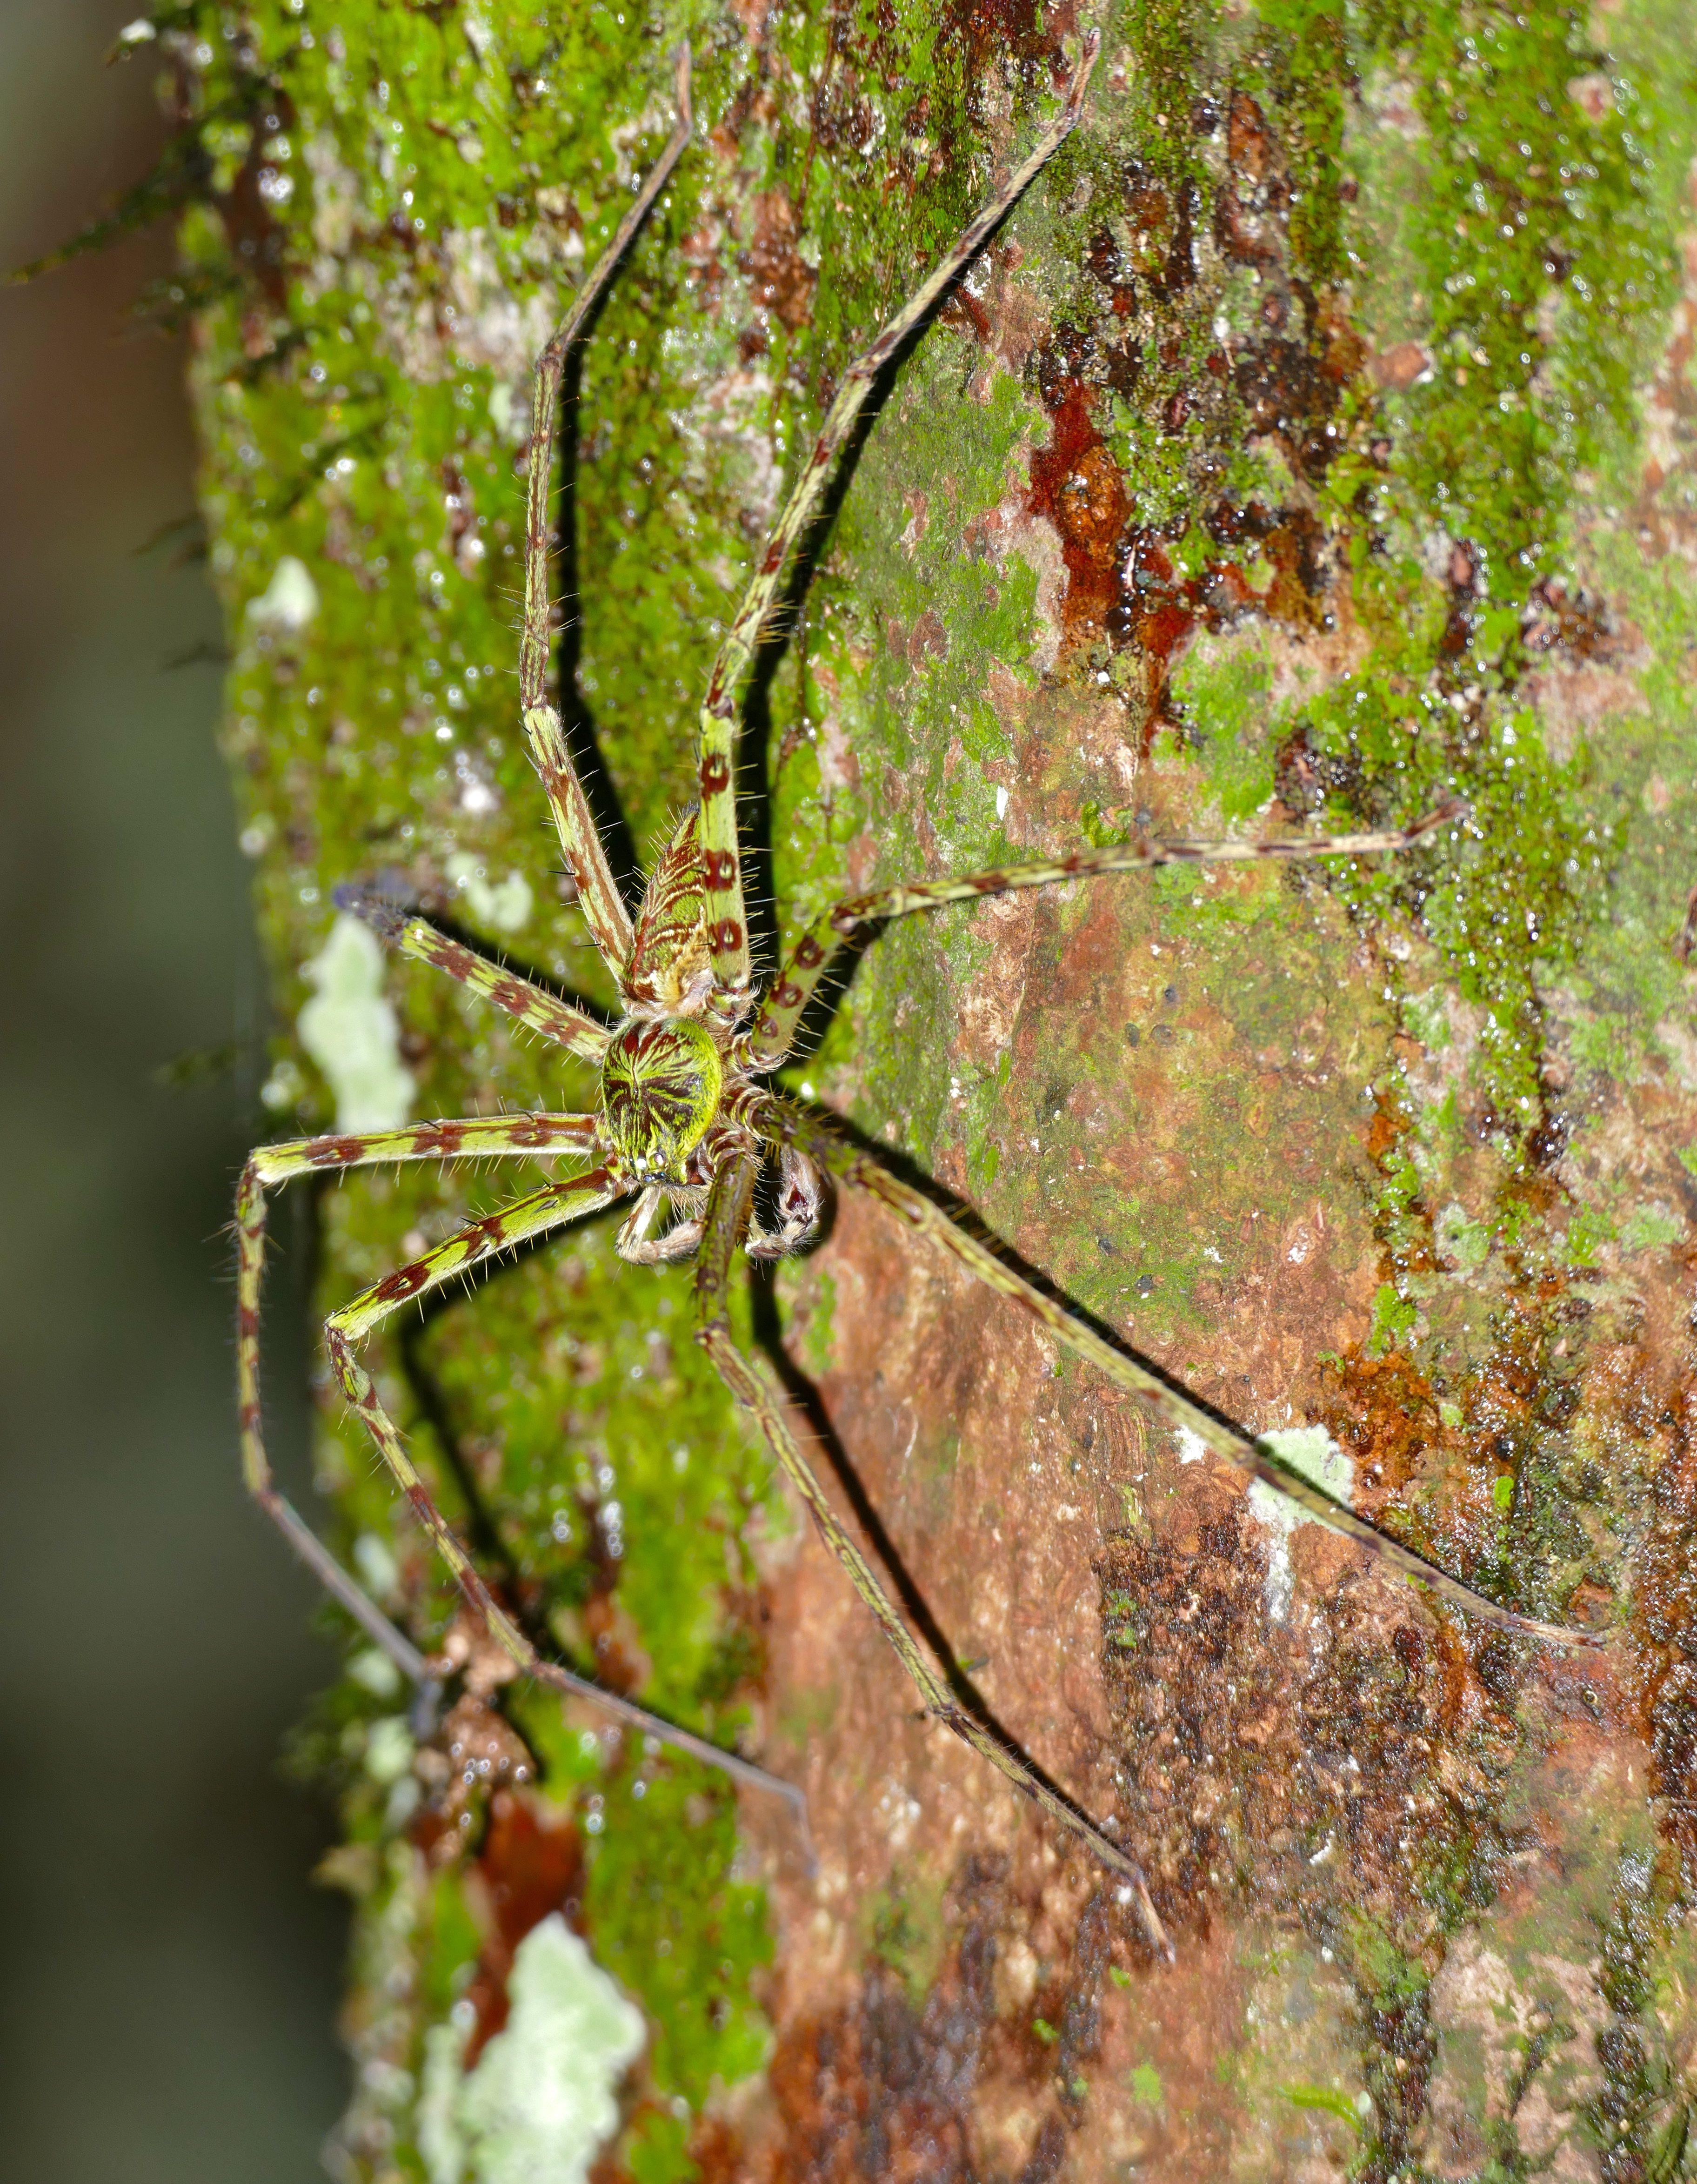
{"x":686,"y":1125}
{"x":661,"y":1088}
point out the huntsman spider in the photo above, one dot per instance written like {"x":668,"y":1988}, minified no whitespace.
{"x":687,"y":1127}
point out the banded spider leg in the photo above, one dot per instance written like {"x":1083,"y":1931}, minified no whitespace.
{"x":585,"y":858}
{"x":474,"y":1137}
{"x":726,"y":915}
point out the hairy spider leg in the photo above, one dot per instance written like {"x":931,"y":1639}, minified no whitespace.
{"x":727,"y":925}
{"x":637,"y":1248}
{"x":1169,"y":1403}
{"x":729,"y":1212}
{"x":774,"y":1029}
{"x":573,"y":1028}
{"x":610,"y":923}
{"x":473,"y":1138}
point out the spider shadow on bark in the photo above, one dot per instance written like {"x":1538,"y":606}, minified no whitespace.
{"x":805,"y":1397}
{"x":483,"y":1531}
{"x":965,"y":1216}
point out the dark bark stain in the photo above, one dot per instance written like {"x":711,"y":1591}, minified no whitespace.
{"x":531,"y":1865}
{"x":888,"y":2086}
{"x":1281,"y":379}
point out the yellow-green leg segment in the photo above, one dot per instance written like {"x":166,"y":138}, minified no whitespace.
{"x":527,"y":1005}
{"x":598,"y":892}
{"x":775,"y":1027}
{"x":727,"y":922}
{"x":481,"y":1138}
{"x":729,"y":1212}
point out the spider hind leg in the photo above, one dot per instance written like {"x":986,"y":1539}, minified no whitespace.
{"x":726,"y":1225}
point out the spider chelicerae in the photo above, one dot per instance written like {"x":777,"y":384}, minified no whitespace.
{"x":714,"y":1161}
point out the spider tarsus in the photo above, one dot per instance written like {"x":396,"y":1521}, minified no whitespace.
{"x":387,"y":919}
{"x":1441,"y":815}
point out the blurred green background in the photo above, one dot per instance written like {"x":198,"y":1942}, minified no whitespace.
{"x":171,"y":1974}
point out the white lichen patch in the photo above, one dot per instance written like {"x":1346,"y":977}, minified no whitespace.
{"x":1311,"y":1450}
{"x":500,"y":907}
{"x":540,"y":2101}
{"x":290,"y":600}
{"x":350,"y":1030}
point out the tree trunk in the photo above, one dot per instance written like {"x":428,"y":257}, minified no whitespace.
{"x":1314,"y":442}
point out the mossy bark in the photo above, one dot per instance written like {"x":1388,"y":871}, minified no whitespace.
{"x":1316,"y":440}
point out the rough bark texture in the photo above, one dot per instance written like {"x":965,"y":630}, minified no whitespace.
{"x":1318,"y":438}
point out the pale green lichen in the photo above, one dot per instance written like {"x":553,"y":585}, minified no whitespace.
{"x":502,"y":905}
{"x":1312,"y":1452}
{"x":538,"y":2104}
{"x":290,"y":601}
{"x":350,"y":1029}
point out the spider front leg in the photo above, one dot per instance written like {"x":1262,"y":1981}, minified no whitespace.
{"x":729,"y":1212}
{"x":610,"y":923}
{"x":516,"y":997}
{"x":786,"y":1002}
{"x":1168,"y":1402}
{"x":472,"y":1138}
{"x":726,"y":915}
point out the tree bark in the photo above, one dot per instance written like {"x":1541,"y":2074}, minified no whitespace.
{"x":1315,"y":441}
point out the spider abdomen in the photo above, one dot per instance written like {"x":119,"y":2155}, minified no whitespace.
{"x":660,"y":1088}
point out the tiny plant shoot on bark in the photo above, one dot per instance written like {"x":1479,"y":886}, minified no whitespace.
{"x":713,"y":1161}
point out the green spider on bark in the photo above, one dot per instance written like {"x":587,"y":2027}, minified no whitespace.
{"x":715,"y":1161}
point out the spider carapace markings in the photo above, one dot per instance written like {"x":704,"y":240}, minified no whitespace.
{"x":687,"y":1127}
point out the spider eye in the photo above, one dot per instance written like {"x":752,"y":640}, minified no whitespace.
{"x":660,"y":1090}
